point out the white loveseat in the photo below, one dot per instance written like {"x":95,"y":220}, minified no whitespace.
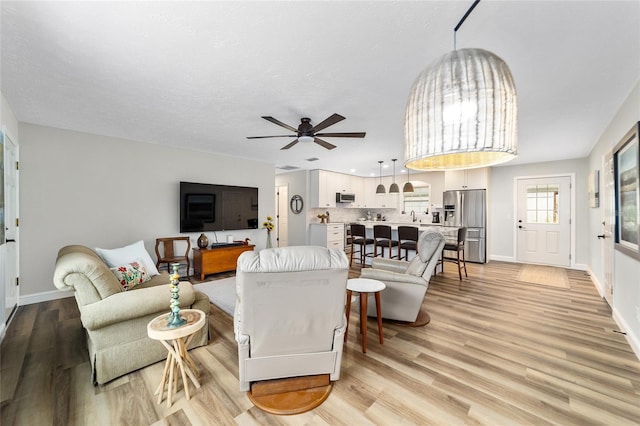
{"x":289,"y":318}
{"x":115,"y":321}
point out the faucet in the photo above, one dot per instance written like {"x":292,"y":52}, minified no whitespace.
{"x":413,"y":216}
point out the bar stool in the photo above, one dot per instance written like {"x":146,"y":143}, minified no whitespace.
{"x":408,"y":238}
{"x":458,"y":247}
{"x":359,"y":238}
{"x":382,"y":238}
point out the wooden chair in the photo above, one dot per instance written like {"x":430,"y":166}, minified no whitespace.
{"x":359,"y":238}
{"x":408,"y":239}
{"x":382,"y":238}
{"x":458,"y":247}
{"x":168,"y":252}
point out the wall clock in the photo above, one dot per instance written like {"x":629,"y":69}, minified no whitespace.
{"x":296,"y":204}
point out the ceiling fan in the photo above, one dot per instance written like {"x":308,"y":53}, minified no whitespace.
{"x":306,"y":132}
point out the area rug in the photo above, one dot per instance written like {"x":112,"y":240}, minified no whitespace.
{"x":545,"y":275}
{"x":222,"y":293}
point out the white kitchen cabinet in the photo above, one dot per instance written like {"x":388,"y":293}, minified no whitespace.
{"x":343,"y":183}
{"x":357,"y":188}
{"x":322,"y":188}
{"x":384,"y":201}
{"x":329,"y":235}
{"x":467,"y":179}
{"x":370,"y":192}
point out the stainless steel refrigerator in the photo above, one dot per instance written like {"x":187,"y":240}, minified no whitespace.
{"x":468,"y":208}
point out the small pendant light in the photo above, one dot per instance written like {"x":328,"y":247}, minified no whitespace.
{"x":380,"y":189}
{"x":408,"y":187}
{"x":394,"y":189}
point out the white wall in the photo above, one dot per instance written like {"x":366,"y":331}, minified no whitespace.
{"x":298,"y":184}
{"x":626,"y":287}
{"x":502,"y":204}
{"x":78,"y":188}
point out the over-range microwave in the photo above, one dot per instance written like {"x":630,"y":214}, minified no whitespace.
{"x":341,"y":197}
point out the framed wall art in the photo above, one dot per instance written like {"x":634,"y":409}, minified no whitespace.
{"x":626,"y":157}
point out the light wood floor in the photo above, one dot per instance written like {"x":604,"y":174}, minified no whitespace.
{"x":497,"y":352}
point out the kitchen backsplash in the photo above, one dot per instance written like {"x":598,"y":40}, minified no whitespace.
{"x":352,"y":215}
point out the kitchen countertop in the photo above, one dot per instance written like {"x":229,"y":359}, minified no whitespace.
{"x":394,"y":225}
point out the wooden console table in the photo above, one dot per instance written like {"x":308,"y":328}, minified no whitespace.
{"x":217,"y":259}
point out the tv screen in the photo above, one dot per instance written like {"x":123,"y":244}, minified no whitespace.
{"x":209,"y":207}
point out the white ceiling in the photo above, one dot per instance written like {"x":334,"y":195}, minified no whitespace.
{"x":199,"y":75}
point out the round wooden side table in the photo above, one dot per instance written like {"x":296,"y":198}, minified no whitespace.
{"x":364,"y":286}
{"x":176,"y":340}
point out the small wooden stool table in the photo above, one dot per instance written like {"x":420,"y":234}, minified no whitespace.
{"x":176,"y":340}
{"x":364,"y":286}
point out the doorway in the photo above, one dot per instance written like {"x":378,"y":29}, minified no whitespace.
{"x":544,"y":220}
{"x":9,"y":228}
{"x":282,"y":216}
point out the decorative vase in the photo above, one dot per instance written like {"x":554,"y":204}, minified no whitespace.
{"x":203,"y":241}
{"x":174,"y":319}
{"x":269,"y":245}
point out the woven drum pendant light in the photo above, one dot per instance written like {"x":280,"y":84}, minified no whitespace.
{"x":461,"y":113}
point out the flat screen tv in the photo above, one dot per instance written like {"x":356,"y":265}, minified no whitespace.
{"x":209,"y":207}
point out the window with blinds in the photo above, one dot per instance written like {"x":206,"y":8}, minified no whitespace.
{"x":419,"y":200}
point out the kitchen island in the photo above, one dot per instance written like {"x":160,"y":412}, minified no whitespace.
{"x":450,"y":232}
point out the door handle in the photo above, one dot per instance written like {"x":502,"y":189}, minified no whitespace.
{"x":10,"y":240}
{"x":601,"y":236}
{"x":521,"y":227}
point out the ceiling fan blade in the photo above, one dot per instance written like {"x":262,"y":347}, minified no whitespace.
{"x":344,"y":135}
{"x":277,"y":136}
{"x":335,"y":118}
{"x":289,"y":145}
{"x":323,"y":144}
{"x":280,"y":123}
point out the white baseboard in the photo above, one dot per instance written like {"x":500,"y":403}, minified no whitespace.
{"x":580,"y":267}
{"x":595,"y":282}
{"x":45,"y":296}
{"x":502,"y":258}
{"x":634,"y":341}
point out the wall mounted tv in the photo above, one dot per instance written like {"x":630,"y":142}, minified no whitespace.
{"x":209,"y":207}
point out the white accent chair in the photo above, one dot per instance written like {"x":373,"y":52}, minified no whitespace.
{"x":289,"y":318}
{"x":406,"y":282}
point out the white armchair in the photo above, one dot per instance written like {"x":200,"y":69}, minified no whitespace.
{"x":289,"y":318}
{"x":406,"y":282}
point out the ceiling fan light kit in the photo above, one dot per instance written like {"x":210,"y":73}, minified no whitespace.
{"x":461,"y":112}
{"x":307,"y":132}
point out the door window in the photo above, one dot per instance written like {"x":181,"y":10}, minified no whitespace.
{"x":543,"y":204}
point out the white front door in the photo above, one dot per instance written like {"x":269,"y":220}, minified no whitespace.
{"x":608,"y":224}
{"x":544,"y":220}
{"x":282,"y":216}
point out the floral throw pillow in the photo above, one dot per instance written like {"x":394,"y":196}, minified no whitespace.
{"x":131,"y":275}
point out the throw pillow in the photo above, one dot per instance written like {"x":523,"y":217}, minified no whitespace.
{"x":124,"y":255}
{"x":131,"y":275}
